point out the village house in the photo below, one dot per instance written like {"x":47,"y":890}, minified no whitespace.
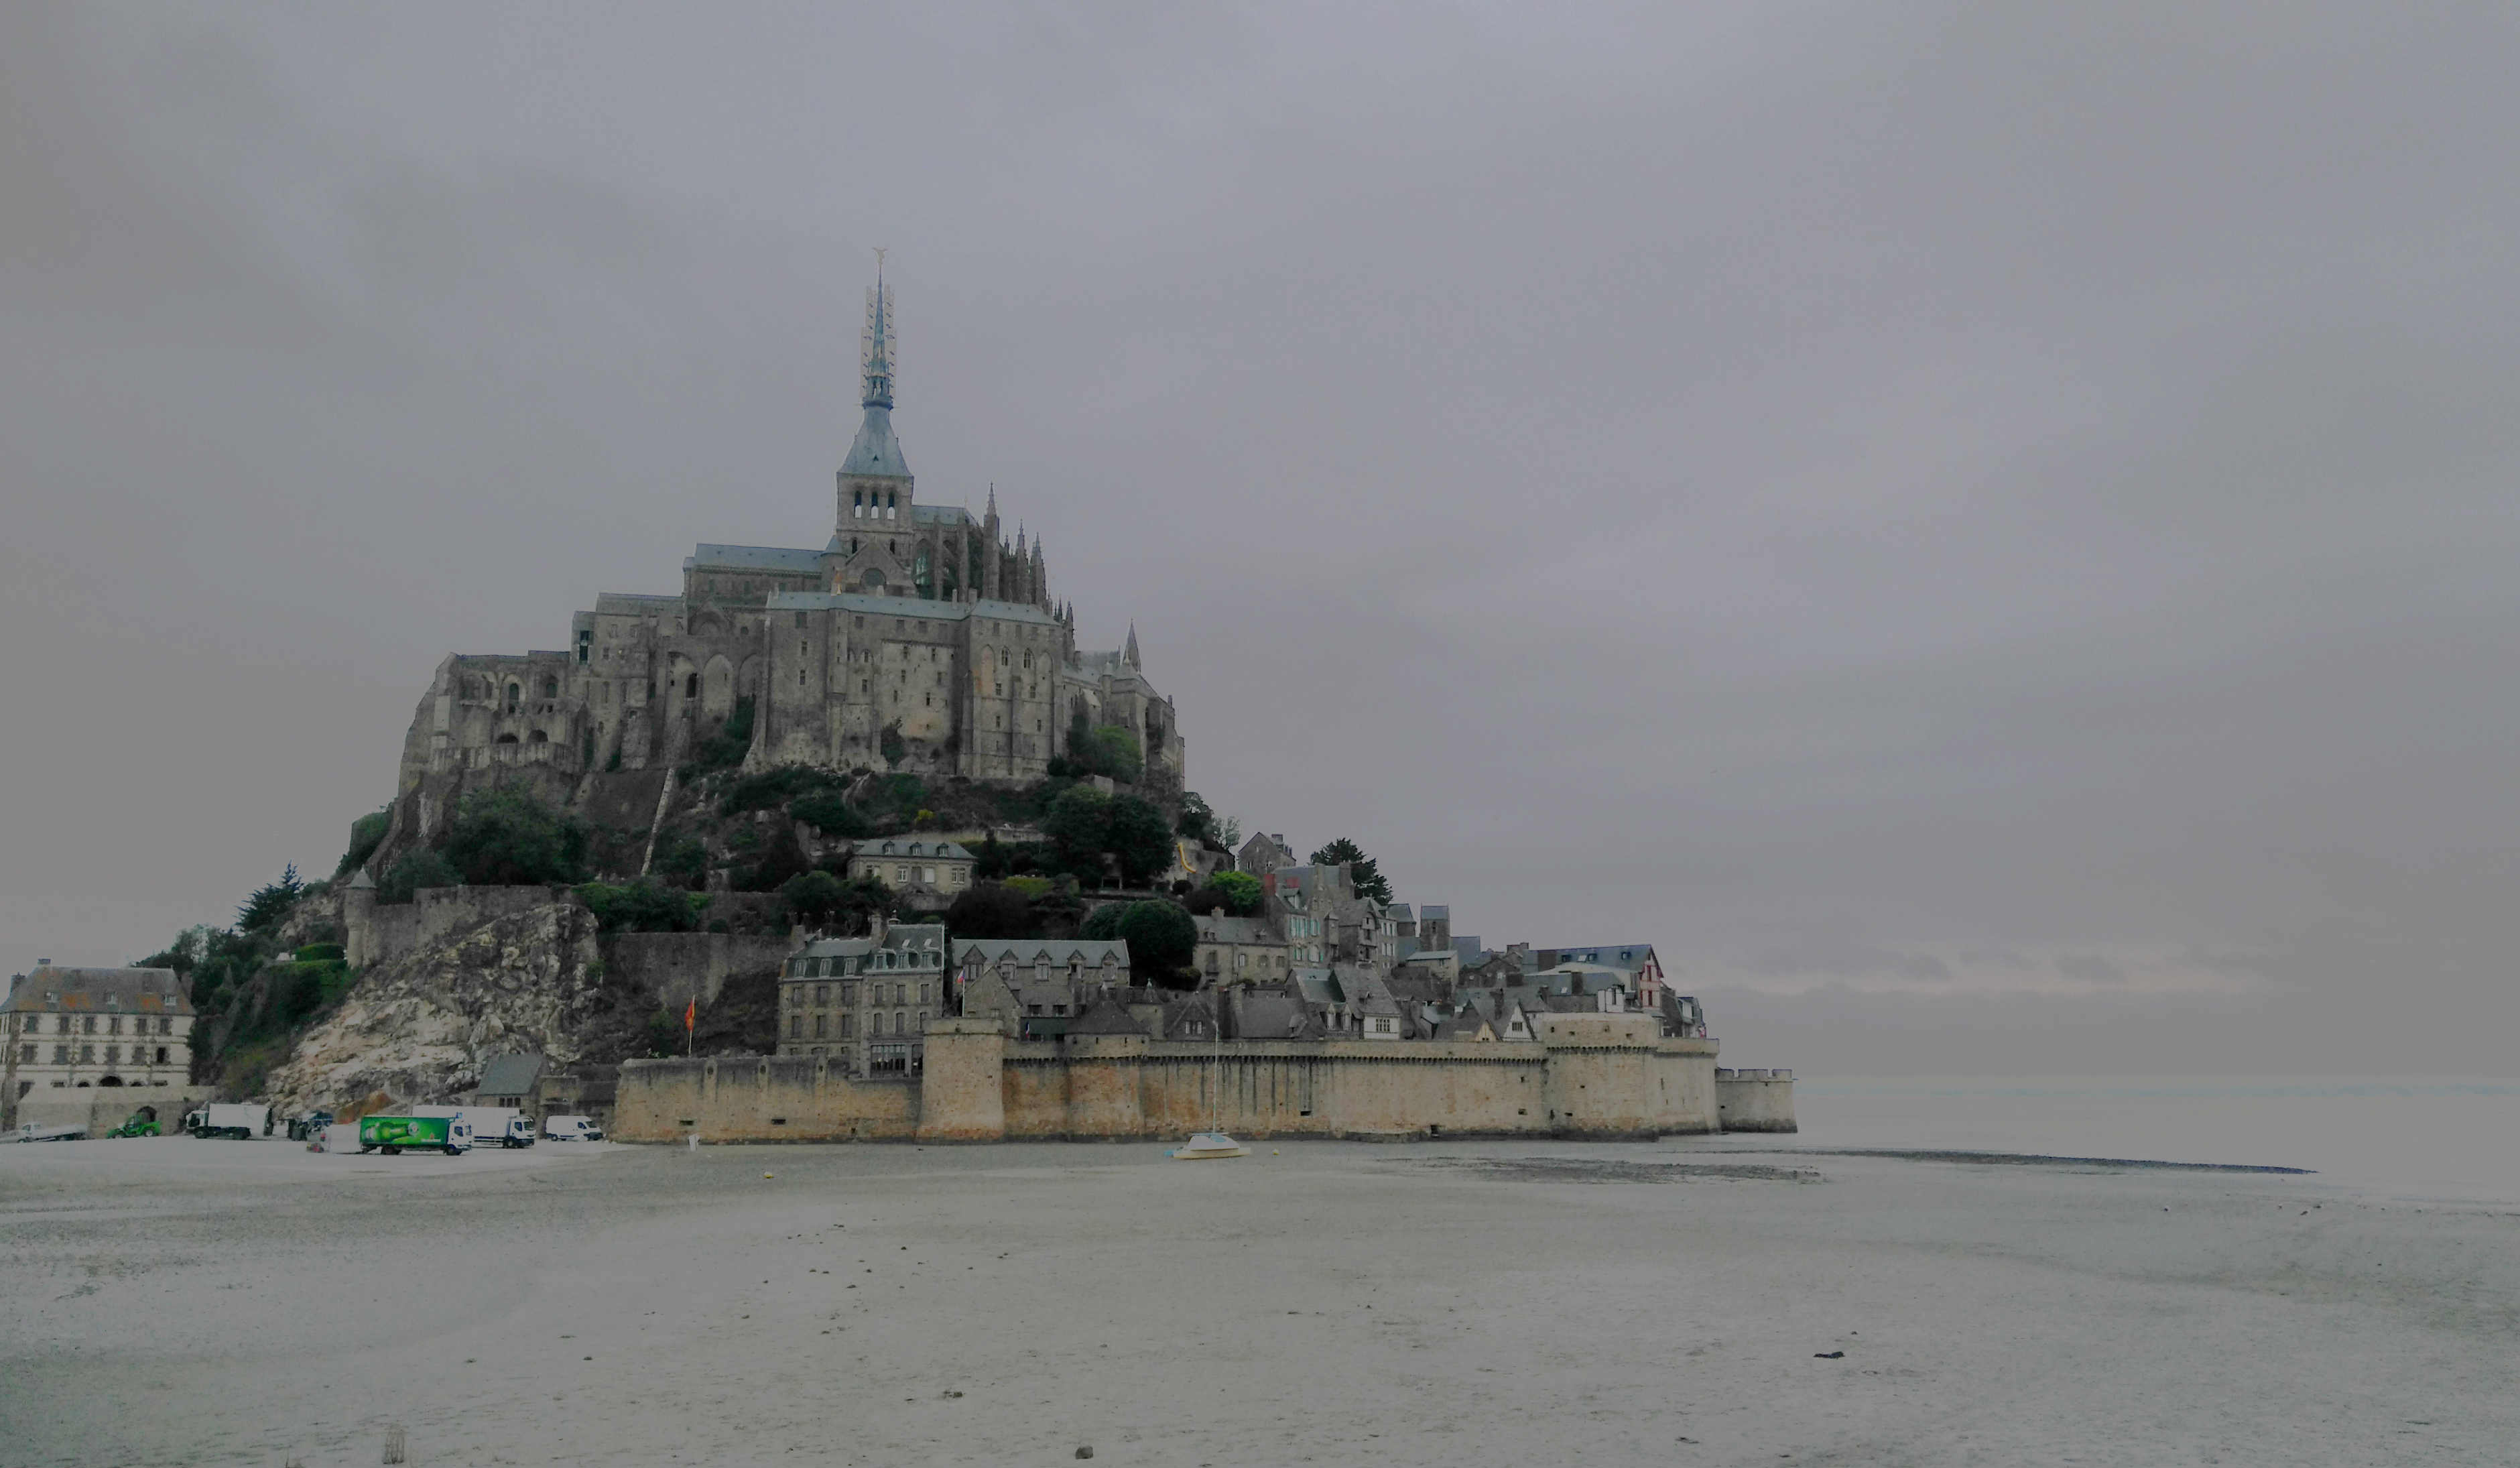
{"x":1040,"y":984}
{"x":927,"y":874}
{"x":865,"y":1001}
{"x":1239,"y":950}
{"x":80,"y":1028}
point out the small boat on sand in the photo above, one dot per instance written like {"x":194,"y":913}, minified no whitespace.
{"x":1208,"y":1144}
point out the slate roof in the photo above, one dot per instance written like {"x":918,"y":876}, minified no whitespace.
{"x":875,"y":450}
{"x":1055,"y":951}
{"x":905,"y":606}
{"x":1214,"y":928}
{"x":510,"y":1075}
{"x":1629,"y":956}
{"x":1256,"y":1014}
{"x":1435,"y":910}
{"x":80,"y":990}
{"x":943,"y":851}
{"x":1107,"y":1017}
{"x":941,"y":514}
{"x":709,"y":557}
{"x":632,"y":603}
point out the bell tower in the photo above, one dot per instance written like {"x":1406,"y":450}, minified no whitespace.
{"x":875,"y":540}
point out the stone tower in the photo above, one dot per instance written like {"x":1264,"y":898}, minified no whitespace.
{"x":873,"y":548}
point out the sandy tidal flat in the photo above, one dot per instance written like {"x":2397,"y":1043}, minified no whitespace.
{"x":183,"y":1301}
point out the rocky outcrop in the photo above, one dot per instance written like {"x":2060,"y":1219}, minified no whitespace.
{"x":418,"y":1028}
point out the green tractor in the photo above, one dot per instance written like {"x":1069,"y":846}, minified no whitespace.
{"x":141,"y":1123}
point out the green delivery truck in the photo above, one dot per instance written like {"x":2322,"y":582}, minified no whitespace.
{"x":391,"y":1135}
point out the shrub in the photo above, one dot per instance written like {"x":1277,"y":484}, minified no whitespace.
{"x":1102,"y":924}
{"x":826,"y":811}
{"x":415,"y":869}
{"x":367,"y":833}
{"x":1034,"y":889}
{"x":825,"y":901}
{"x":681,"y":861}
{"x":319,"y":952}
{"x":511,"y":836}
{"x":646,"y":905}
{"x":1364,"y":874}
{"x":726,"y":746}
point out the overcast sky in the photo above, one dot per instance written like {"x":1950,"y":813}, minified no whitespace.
{"x":1985,"y":534}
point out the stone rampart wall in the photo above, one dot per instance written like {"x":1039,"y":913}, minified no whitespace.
{"x":759,"y":1099}
{"x":1755,"y":1100}
{"x":981,"y":1086}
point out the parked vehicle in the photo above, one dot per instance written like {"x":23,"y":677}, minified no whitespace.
{"x":392,"y":1135}
{"x":238,"y":1120}
{"x":35,"y":1132}
{"x":141,"y":1123}
{"x":573,"y":1130}
{"x":311,"y":1125}
{"x":505,"y":1126}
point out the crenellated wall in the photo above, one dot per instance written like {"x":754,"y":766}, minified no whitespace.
{"x":1755,"y":1100}
{"x":1586,"y":1078}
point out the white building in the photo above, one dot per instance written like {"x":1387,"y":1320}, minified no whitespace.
{"x":73,"y":1030}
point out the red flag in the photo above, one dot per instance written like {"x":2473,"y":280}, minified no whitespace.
{"x":690,"y":1013}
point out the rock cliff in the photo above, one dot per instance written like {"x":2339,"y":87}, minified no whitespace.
{"x":419,"y":1027}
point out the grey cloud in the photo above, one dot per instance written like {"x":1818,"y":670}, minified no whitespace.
{"x":2089,"y":968}
{"x":1863,"y":486}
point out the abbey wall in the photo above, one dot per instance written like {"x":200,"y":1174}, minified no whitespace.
{"x":1596,"y":1079}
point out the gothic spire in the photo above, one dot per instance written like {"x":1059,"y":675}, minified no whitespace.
{"x":1131,"y":656}
{"x":876,"y":451}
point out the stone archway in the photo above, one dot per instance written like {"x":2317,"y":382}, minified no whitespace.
{"x":717,"y":688}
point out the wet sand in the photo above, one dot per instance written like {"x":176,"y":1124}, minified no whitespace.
{"x":180,"y":1301}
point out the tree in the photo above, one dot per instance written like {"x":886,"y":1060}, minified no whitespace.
{"x":1102,"y":924}
{"x":1198,"y":821}
{"x":1363,"y":874}
{"x":646,"y":905}
{"x":812,"y":897}
{"x":270,"y":902}
{"x":990,"y":909}
{"x":1079,"y":826}
{"x":821,"y":899}
{"x":422,"y":866}
{"x":511,"y":837}
{"x":732,"y":740}
{"x":1234,"y":893}
{"x":1162,"y":940}
{"x":1140,"y":840}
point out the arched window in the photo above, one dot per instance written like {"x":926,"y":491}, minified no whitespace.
{"x":539,"y":737}
{"x":550,"y":688}
{"x":692,"y":686}
{"x":513,"y":694}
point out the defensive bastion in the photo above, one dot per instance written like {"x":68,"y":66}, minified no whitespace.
{"x":1600,"y":1077}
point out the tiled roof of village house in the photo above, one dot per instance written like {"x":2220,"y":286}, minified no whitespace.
{"x":941,"y":849}
{"x":1105,"y":1018}
{"x":1216,"y":929}
{"x":103,"y":991}
{"x":510,"y":1075}
{"x":1052,"y":950}
{"x":706,"y":556}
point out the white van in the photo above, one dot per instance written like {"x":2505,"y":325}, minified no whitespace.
{"x":571,"y":1129}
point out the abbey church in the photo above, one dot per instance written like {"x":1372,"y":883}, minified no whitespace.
{"x":917,"y":639}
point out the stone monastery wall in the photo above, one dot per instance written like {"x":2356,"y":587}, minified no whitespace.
{"x":1603,"y":1082}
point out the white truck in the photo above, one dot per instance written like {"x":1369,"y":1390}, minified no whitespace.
{"x":571,"y":1129}
{"x":241,"y":1121}
{"x":37,"y":1131}
{"x":492,"y":1125}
